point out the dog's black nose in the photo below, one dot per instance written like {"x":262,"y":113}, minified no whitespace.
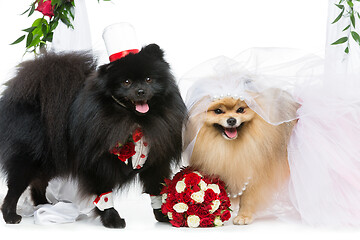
{"x":140,"y":92}
{"x":231,"y":121}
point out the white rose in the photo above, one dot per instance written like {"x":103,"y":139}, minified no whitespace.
{"x":218,"y":222}
{"x":214,"y":206}
{"x":180,"y":207}
{"x":163,"y":198}
{"x":180,"y":186}
{"x":214,"y":187}
{"x":193,"y":221}
{"x":203,"y":185}
{"x":169,"y":214}
{"x":198,"y":196}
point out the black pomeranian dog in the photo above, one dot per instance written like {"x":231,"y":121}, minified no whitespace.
{"x":60,"y":117}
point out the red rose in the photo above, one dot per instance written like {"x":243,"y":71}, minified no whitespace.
{"x":45,"y":8}
{"x":210,"y":196}
{"x":206,"y":222}
{"x":185,"y":197}
{"x":164,"y":209}
{"x":127,"y":151}
{"x":203,"y":211}
{"x":225,"y":216}
{"x":137,"y":135}
{"x":177,"y":177}
{"x":192,"y":179}
{"x":178,"y":220}
{"x":195,"y":188}
{"x":193,"y":209}
{"x":114,"y":151}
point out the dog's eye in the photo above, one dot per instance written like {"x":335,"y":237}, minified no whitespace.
{"x":127,"y":82}
{"x":218,"y":111}
{"x":240,"y":110}
{"x":148,"y":80}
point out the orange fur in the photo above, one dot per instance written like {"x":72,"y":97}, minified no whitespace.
{"x":258,"y":151}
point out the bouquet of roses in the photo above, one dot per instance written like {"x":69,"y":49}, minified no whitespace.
{"x":193,"y":200}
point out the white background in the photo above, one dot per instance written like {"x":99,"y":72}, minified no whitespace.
{"x":190,"y":32}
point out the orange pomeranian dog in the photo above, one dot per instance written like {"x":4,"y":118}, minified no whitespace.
{"x":246,"y":152}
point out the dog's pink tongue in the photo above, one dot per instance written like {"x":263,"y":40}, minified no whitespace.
{"x":231,"y":132}
{"x":141,"y":107}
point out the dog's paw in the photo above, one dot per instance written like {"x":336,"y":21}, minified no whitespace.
{"x":243,"y":219}
{"x":110,"y":218}
{"x":12,"y":218}
{"x":159,"y":216}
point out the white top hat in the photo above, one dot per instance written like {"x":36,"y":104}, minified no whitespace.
{"x":120,"y":40}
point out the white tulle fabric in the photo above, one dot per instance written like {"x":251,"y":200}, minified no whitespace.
{"x":265,"y":78}
{"x":79,"y":38}
{"x":324,"y":149}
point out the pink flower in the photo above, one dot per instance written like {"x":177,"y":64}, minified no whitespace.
{"x":45,"y":8}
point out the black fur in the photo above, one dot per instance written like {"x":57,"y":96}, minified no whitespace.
{"x":58,"y":117}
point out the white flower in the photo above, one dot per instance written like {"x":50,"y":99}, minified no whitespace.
{"x":193,"y":221}
{"x":218,"y":222}
{"x":203,"y":185}
{"x":214,"y":187}
{"x":214,"y":206}
{"x":198,"y":197}
{"x":198,"y":173}
{"x":180,"y":186}
{"x":180,"y":207}
{"x":169,"y":214}
{"x":163,"y":198}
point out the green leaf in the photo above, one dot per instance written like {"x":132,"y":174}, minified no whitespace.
{"x":350,"y":3}
{"x":55,"y":2}
{"x":348,"y":26}
{"x":18,"y":40}
{"x":37,"y":22}
{"x":49,"y":37}
{"x":352,"y":18}
{"x":30,"y":29}
{"x":347,"y":50}
{"x":72,"y":12}
{"x":340,"y":6}
{"x":32,"y":9}
{"x":29,"y":39}
{"x":66,"y":21}
{"x":358,"y":14}
{"x":340,"y":41}
{"x":339,"y":16}
{"x":44,"y":29}
{"x":53,"y":25}
{"x":26,"y":11}
{"x":35,"y":41}
{"x":355,"y":36}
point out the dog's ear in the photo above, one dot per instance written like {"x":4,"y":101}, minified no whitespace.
{"x":103,"y":69}
{"x":154,"y":50}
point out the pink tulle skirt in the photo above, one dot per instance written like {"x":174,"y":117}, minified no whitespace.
{"x":324,"y":159}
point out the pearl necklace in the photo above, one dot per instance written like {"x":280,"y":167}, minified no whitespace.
{"x":242,"y":190}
